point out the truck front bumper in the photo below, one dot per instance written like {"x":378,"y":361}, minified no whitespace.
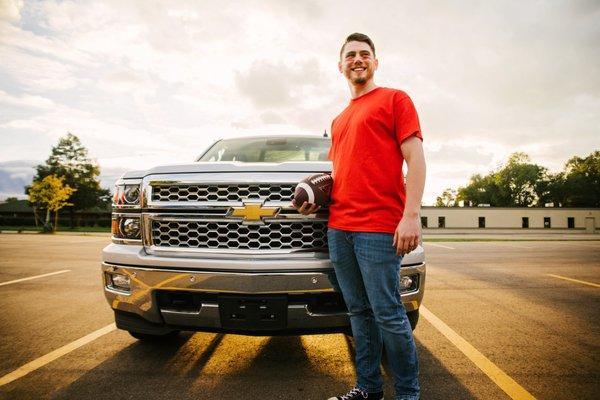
{"x":142,"y":308}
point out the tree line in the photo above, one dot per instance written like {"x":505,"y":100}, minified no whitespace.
{"x":68,"y":179}
{"x":521,"y":183}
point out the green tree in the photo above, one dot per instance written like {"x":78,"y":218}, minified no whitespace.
{"x":69,"y":159}
{"x":519,"y":183}
{"x":581,"y":181}
{"x":50,"y":194}
{"x":447,"y":199}
{"x":480,"y":190}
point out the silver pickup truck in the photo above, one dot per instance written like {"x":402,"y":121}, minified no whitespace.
{"x":216,"y":246}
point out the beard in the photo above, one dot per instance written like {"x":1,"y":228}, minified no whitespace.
{"x":360,"y":79}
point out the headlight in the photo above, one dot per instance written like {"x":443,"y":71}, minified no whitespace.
{"x":126,"y":227}
{"x":132,"y":194}
{"x":127,"y":195}
{"x":130,"y":227}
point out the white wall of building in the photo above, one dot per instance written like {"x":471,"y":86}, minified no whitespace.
{"x":500,"y":217}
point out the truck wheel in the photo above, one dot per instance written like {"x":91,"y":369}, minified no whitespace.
{"x":413,"y":318}
{"x":146,"y":337}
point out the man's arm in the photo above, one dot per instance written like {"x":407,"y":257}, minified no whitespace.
{"x":406,"y":237}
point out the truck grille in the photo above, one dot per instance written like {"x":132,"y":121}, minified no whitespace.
{"x":235,"y":235}
{"x":224,"y":192}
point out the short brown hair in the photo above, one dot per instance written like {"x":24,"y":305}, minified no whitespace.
{"x":358,"y":37}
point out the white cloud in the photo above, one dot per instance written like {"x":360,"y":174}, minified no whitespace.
{"x":155,"y":82}
{"x":10,"y":10}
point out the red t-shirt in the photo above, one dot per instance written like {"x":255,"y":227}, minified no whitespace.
{"x":368,"y":193}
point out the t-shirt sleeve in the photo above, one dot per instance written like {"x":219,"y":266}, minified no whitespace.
{"x":406,"y":120}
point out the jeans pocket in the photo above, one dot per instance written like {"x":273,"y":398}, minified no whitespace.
{"x":376,"y":248}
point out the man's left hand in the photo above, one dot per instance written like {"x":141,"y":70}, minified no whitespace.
{"x":406,"y":237}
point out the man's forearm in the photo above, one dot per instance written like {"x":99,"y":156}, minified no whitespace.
{"x":415,"y":184}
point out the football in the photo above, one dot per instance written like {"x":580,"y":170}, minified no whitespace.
{"x":315,"y":189}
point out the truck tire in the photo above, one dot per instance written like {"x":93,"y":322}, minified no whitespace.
{"x":146,"y":337}
{"x":413,"y":318}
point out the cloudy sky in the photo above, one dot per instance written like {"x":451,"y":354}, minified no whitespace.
{"x":153,"y":82}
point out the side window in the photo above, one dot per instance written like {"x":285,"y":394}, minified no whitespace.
{"x":441,"y":222}
{"x":571,"y":222}
{"x":423,"y":222}
{"x":547,"y":223}
{"x":482,"y":222}
{"x":525,"y":222}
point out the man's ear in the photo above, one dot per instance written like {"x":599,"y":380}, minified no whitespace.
{"x":376,"y":63}
{"x":340,"y":67}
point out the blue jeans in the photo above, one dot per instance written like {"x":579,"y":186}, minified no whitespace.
{"x":367,"y":270}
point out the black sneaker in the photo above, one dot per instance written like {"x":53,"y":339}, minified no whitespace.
{"x":358,"y":394}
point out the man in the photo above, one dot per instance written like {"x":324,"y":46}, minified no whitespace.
{"x":374,"y":219}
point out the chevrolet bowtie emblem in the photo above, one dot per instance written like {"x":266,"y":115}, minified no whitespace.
{"x":253,"y":212}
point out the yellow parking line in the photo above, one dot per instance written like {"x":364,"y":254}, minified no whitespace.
{"x":499,"y":377}
{"x":53,"y":355}
{"x":34,"y":277}
{"x":574,"y":280}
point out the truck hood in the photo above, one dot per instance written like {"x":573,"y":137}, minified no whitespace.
{"x":233,"y":166}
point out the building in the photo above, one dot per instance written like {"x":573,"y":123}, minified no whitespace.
{"x":578,"y":219}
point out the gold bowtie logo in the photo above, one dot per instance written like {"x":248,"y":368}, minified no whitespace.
{"x":253,"y":212}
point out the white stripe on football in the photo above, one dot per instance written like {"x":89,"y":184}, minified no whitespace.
{"x":309,"y":191}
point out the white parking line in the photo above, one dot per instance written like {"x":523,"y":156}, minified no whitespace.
{"x":499,"y":377}
{"x":439,"y":245}
{"x":589,"y":243}
{"x":514,"y":245}
{"x":53,"y":355}
{"x":574,"y":280}
{"x":34,"y":277}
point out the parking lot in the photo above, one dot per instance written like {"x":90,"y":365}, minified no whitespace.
{"x":500,"y":320}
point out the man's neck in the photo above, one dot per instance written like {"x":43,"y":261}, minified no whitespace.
{"x":359,"y":90}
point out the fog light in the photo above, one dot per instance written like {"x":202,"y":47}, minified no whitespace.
{"x":130,"y":228}
{"x":408,"y":283}
{"x":119,"y":281}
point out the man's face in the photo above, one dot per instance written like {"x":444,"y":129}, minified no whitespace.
{"x":358,"y":63}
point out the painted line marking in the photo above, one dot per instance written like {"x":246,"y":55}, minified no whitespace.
{"x":53,"y":355}
{"x":513,"y":245}
{"x":439,"y":245}
{"x":585,"y":243}
{"x":574,"y":280}
{"x":34,"y":277}
{"x":499,"y":377}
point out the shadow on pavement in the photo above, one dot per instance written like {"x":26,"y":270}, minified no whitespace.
{"x":201,"y":366}
{"x":281,"y":369}
{"x":217,"y":366}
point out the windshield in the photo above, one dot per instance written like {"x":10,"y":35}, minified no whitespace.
{"x":272,"y":149}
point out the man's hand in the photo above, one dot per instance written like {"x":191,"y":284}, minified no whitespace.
{"x":408,"y":232}
{"x":306,"y":208}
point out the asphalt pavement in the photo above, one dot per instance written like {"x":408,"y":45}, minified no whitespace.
{"x":502,"y":320}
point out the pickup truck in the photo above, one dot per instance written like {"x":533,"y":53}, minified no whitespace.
{"x":216,"y":246}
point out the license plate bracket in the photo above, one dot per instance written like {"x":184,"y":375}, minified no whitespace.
{"x":253,"y":312}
